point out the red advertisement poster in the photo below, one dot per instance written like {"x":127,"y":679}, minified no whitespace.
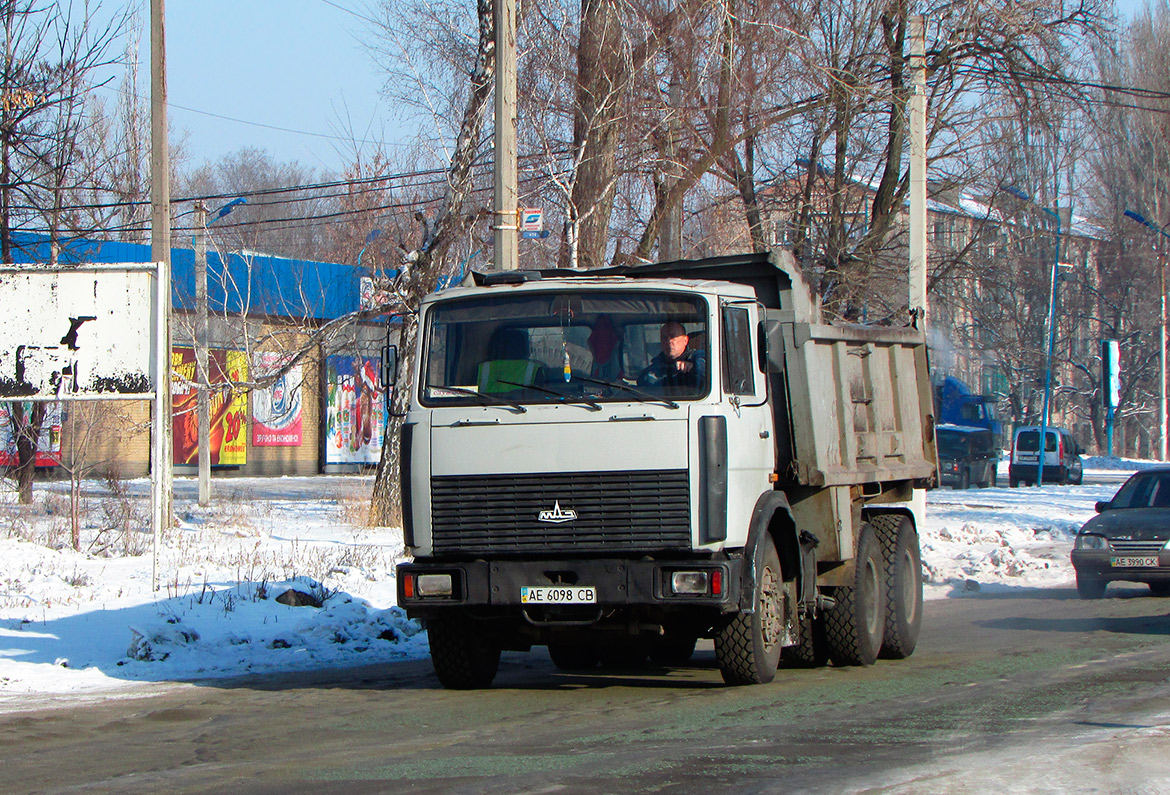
{"x":229,"y":407}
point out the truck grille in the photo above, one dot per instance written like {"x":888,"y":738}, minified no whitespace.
{"x":636,"y":511}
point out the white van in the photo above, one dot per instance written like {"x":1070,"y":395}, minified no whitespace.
{"x":1062,"y":457}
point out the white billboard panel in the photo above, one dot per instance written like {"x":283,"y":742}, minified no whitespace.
{"x":74,"y":333}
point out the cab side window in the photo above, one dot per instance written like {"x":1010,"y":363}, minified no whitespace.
{"x":738,"y":362}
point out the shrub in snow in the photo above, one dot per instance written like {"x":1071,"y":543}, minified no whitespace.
{"x":148,"y":645}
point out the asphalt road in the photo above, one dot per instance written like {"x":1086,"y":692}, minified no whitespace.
{"x":1035,"y":676}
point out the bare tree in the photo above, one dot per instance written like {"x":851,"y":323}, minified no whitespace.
{"x":424,"y":264}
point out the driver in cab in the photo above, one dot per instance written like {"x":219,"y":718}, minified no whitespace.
{"x":677,"y":367}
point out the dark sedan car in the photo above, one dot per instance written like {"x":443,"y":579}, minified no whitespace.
{"x":1127,"y":539}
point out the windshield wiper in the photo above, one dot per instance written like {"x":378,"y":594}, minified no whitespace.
{"x":643,"y":397}
{"x":567,"y":399}
{"x":484,"y":398}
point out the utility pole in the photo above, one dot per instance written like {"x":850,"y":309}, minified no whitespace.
{"x":507,"y":255}
{"x":670,"y":233}
{"x":203,"y":387}
{"x":160,"y":251}
{"x":1162,"y":421}
{"x":916,"y":105}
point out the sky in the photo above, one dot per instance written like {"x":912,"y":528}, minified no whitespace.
{"x":251,"y":66}
{"x":288,"y":76}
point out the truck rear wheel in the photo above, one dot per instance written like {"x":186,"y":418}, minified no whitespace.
{"x":903,"y":581}
{"x":748,"y":646}
{"x":854,"y":627}
{"x":463,"y":656}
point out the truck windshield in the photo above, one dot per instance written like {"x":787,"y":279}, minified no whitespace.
{"x":566,"y":346}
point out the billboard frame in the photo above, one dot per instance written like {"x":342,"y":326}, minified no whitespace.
{"x":158,"y":327}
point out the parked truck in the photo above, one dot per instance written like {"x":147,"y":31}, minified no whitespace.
{"x":956,"y":404}
{"x":616,"y":463}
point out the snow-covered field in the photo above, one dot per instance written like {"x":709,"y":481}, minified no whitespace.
{"x":90,"y":623}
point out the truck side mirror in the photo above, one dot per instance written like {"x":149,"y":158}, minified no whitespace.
{"x":389,"y":365}
{"x":1103,"y":506}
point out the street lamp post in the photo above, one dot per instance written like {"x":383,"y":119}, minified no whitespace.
{"x":1043,"y":441}
{"x":370,"y":238}
{"x":1161,"y":230}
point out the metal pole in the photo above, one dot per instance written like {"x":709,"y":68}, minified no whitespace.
{"x":1048,"y":361}
{"x":1162,"y":346}
{"x":506,"y":182}
{"x":917,"y":109}
{"x":160,"y":424}
{"x":203,"y":385}
{"x":160,"y":251}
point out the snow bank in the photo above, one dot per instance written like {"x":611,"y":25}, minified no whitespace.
{"x":90,"y":622}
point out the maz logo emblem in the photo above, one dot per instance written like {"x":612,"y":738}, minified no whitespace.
{"x":556,"y":515}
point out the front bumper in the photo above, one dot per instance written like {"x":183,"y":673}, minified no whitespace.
{"x":618,"y":583}
{"x":1101,"y":564}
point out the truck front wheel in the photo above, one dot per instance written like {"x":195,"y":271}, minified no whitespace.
{"x":855,"y":625}
{"x":903,"y":581}
{"x":748,"y":646}
{"x":462,"y":654}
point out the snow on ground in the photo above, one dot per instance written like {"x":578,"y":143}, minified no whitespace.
{"x":89,"y":623}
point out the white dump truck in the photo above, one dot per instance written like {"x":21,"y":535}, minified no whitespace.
{"x":616,"y":463}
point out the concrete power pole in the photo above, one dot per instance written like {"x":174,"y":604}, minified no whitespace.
{"x":203,"y":387}
{"x":507,"y":255}
{"x":160,"y":251}
{"x":670,"y":233}
{"x":917,"y":110}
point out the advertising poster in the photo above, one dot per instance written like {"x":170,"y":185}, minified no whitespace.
{"x":354,"y":411}
{"x":229,"y":408}
{"x":48,"y":443}
{"x":276,"y":411}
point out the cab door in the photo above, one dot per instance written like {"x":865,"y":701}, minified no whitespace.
{"x":750,"y":436}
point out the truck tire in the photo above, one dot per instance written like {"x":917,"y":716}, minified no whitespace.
{"x":854,"y":627}
{"x":463,"y":656}
{"x":812,"y":651}
{"x":573,"y":657}
{"x":903,"y":581}
{"x":748,"y":646}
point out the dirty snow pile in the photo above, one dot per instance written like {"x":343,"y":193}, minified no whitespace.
{"x":280,"y":574}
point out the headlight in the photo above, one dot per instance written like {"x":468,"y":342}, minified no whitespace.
{"x":1088,"y":541}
